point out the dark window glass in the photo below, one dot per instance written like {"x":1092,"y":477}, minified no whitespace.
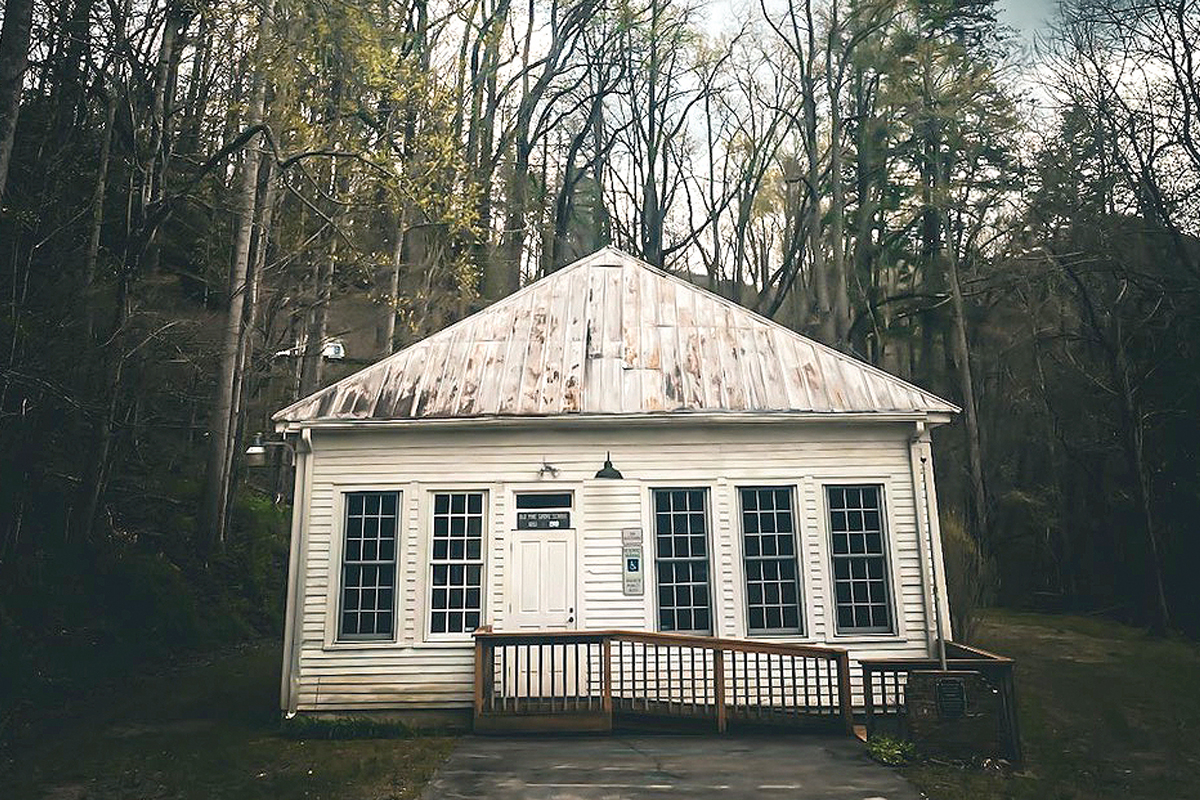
{"x":769,"y":544}
{"x":859,"y":561}
{"x":457,"y":562}
{"x":369,"y":566}
{"x":680,"y":531}
{"x":543,"y":500}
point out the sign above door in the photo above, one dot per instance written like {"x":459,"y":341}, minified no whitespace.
{"x":537,"y":520}
{"x":543,"y":511}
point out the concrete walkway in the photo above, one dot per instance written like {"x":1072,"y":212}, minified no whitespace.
{"x":647,"y":766}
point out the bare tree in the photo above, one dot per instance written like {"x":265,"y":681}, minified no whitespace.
{"x":14,"y":56}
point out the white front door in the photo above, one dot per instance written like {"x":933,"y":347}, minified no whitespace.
{"x":541,"y":587}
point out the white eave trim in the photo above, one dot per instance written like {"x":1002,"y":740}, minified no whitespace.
{"x":604,"y":420}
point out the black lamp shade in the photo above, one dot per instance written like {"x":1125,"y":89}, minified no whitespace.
{"x":608,"y":470}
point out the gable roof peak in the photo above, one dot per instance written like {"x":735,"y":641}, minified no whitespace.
{"x":612,"y":334}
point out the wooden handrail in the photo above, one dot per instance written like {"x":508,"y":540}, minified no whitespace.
{"x":958,"y":655}
{"x":665,"y":639}
{"x":954,"y":651}
{"x":545,"y":637}
{"x":908,"y":664}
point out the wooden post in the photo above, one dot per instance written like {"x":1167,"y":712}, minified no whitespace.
{"x":719,"y":687}
{"x":607,"y":701}
{"x":481,"y":652}
{"x":844,"y":706}
{"x":1009,"y":692}
{"x":868,"y":699}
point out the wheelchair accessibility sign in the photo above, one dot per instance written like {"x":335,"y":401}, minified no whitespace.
{"x":632,"y":573}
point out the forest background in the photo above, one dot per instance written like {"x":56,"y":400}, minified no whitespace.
{"x":190,"y":187}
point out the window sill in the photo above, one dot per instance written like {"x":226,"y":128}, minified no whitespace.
{"x":786,"y":638}
{"x":447,"y":640}
{"x":432,"y":644}
{"x":365,"y":644}
{"x":868,"y":638}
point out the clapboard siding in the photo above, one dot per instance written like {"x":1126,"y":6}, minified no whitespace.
{"x":416,"y":672}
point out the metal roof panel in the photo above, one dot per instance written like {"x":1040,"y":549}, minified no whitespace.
{"x":611,"y":334}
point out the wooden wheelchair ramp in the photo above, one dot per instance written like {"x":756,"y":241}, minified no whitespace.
{"x":577,"y":681}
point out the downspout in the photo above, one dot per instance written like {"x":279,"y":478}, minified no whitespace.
{"x":935,"y":536}
{"x":937,"y":604}
{"x":926,"y":542}
{"x":295,"y":605}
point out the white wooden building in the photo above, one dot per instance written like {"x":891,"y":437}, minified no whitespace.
{"x":770,"y":489}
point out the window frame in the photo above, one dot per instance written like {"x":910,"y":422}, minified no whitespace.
{"x":425,"y":596}
{"x":887,"y":527}
{"x":797,"y":544}
{"x":707,"y":494}
{"x":335,"y":596}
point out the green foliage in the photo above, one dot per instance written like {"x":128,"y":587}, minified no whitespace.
{"x":969,"y":577}
{"x":891,"y":751}
{"x":86,"y":614}
{"x":252,"y":567}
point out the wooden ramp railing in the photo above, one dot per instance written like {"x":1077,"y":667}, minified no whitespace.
{"x":582,"y":681}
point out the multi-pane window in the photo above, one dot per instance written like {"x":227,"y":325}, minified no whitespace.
{"x":457,"y":562}
{"x":369,"y":566}
{"x":681,"y":538}
{"x":769,"y":546}
{"x":859,"y":561}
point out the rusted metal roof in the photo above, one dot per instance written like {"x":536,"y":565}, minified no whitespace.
{"x":611,"y":334}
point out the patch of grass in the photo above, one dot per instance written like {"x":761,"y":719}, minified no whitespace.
{"x":890,"y":750}
{"x":210,"y":730}
{"x":1106,"y":711}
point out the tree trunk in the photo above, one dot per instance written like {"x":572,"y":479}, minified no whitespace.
{"x":837,"y":204}
{"x":966,"y":385}
{"x":198,"y":89}
{"x":77,"y":36}
{"x":159,"y":110}
{"x":266,"y":194}
{"x":14,"y":57}
{"x":1054,"y":446}
{"x":313,"y":365}
{"x":651,"y":213}
{"x":387,"y":337}
{"x":155,"y":169}
{"x":506,"y":272}
{"x":97,"y":220}
{"x":867,"y":165}
{"x":1135,"y":449}
{"x":221,"y":431}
